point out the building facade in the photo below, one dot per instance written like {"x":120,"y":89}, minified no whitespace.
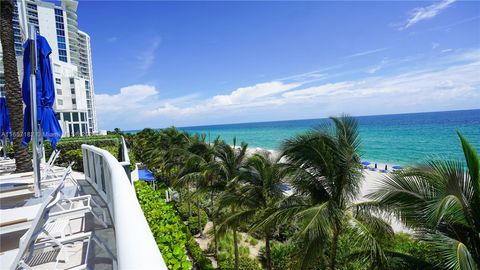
{"x":71,"y":60}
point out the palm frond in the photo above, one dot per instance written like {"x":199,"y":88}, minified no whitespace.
{"x":455,"y":254}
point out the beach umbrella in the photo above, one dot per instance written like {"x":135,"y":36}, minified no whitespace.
{"x":38,"y":94}
{"x":45,"y":93}
{"x":5,"y":129}
{"x":366,"y":163}
{"x":396,"y":167}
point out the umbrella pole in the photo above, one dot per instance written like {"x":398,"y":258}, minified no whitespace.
{"x":33,"y":109}
{"x":4,"y":142}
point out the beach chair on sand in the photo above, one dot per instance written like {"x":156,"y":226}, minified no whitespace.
{"x":51,"y":234}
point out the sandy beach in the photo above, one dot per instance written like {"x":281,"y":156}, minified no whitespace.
{"x":371,"y":178}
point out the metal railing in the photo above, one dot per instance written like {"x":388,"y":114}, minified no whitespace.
{"x":136,"y":247}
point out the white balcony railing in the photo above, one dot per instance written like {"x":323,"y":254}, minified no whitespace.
{"x":124,"y":159}
{"x":136,"y":247}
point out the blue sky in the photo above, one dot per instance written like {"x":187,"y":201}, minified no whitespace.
{"x":158,"y":64}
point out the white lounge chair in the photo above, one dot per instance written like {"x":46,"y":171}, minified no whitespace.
{"x":50,"y":229}
{"x":15,"y":219}
{"x":48,"y":170}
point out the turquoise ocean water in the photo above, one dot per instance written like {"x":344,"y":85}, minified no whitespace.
{"x":401,"y":139}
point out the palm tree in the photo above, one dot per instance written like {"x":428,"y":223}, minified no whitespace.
{"x":23,"y":160}
{"x":441,"y":201}
{"x":231,"y":161}
{"x":258,"y":194}
{"x":326,"y":177}
{"x":200,"y":169}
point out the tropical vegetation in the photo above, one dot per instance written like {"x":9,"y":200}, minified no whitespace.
{"x":302,"y":208}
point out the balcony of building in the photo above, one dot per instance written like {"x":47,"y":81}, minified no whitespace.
{"x":83,"y":220}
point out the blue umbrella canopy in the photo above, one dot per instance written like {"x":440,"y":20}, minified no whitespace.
{"x":146,"y":175}
{"x":51,"y":129}
{"x":396,"y":167}
{"x":366,"y":163}
{"x":5,"y":128}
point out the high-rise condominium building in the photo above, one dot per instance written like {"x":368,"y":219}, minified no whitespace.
{"x":71,"y":60}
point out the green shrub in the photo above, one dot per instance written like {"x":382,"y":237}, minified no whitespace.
{"x":406,"y":244}
{"x":133,"y":161}
{"x":283,"y":255}
{"x":182,"y":209}
{"x":226,"y":254}
{"x":253,"y":241}
{"x":201,"y":261}
{"x":193,"y":222}
{"x":167,"y":227}
{"x":76,"y":156}
{"x":245,"y":263}
{"x":71,"y":148}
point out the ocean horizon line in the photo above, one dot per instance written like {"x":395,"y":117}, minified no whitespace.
{"x":302,"y":119}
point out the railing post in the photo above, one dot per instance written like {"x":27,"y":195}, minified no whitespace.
{"x":125,"y":160}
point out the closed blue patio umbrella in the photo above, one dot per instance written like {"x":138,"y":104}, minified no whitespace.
{"x":5,"y":129}
{"x":38,"y":94}
{"x":49,"y":125}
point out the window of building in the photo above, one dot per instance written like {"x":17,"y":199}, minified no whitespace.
{"x":66,"y":116}
{"x":72,"y":81}
{"x":63,"y":58}
{"x":72,"y":90}
{"x":33,"y":20}
{"x":75,"y":116}
{"x":32,"y":6}
{"x":82,"y":116}
{"x":57,"y":115}
{"x":58,"y":81}
{"x":84,"y":128}
{"x":59,"y":91}
{"x":58,"y":12}
{"x":76,"y":129}
{"x":32,"y":13}
{"x":60,"y":102}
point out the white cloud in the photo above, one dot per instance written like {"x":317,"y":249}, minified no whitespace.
{"x":452,"y":83}
{"x":365,"y":53}
{"x":146,"y":58}
{"x":424,"y":13}
{"x":130,"y":97}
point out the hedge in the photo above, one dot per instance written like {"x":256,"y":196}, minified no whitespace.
{"x":167,"y":227}
{"x":71,"y":148}
{"x":201,"y":261}
{"x":153,"y":201}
